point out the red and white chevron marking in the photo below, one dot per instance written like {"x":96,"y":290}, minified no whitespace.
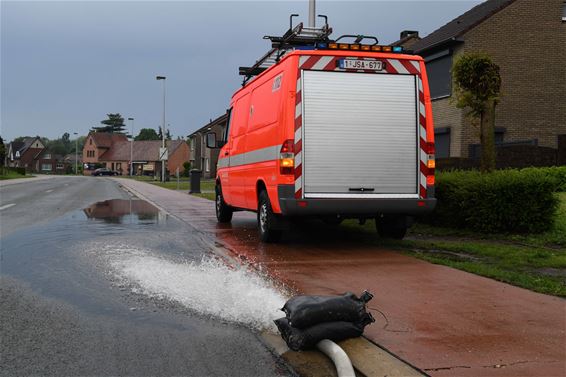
{"x":328,"y":63}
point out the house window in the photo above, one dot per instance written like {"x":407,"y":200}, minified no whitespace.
{"x":207,"y":165}
{"x":192,"y":143}
{"x":90,"y":142}
{"x":564,"y":11}
{"x":438,"y":68}
{"x":47,"y":156}
{"x":499,"y":134}
{"x":442,"y":142}
{"x":59,"y":166}
{"x":46,"y":167}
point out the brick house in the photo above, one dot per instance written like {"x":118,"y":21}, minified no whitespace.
{"x":201,"y":157}
{"x":24,"y":154}
{"x":97,"y":144}
{"x":145,"y":157}
{"x":49,"y":163}
{"x":527,"y":39}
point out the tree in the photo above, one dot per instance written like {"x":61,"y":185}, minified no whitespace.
{"x":167,"y":134}
{"x":147,"y":134}
{"x":477,"y":85}
{"x":114,"y":124}
{"x":186,"y":168}
{"x":2,"y":151}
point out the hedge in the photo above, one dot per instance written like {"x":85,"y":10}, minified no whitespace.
{"x":502,"y":201}
{"x":557,"y":173}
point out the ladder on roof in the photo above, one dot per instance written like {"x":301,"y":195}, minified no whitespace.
{"x":295,"y":38}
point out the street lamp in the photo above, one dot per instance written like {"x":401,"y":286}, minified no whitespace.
{"x":132,"y":149}
{"x":76,"y":153}
{"x":162,"y":128}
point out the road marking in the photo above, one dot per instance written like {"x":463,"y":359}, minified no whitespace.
{"x":7,"y":206}
{"x":48,"y":190}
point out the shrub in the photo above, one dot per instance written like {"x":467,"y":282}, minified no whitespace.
{"x":186,"y":168}
{"x":557,"y":173}
{"x":501,"y":201}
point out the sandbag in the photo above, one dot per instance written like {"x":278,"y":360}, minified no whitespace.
{"x":304,"y":339}
{"x":305,"y":311}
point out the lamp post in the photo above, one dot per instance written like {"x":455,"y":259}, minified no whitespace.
{"x":162,"y":128}
{"x":132,"y":149}
{"x":76,"y":153}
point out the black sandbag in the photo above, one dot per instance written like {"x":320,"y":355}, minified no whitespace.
{"x":304,"y":339}
{"x":305,"y":311}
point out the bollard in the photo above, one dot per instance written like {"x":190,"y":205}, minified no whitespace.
{"x":195,"y":181}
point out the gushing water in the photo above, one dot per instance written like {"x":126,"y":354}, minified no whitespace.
{"x":209,"y":287}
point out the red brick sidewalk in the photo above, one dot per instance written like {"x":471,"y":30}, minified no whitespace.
{"x":444,"y":321}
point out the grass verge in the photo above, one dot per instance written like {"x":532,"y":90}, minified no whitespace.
{"x":183,"y":185}
{"x":11,"y":175}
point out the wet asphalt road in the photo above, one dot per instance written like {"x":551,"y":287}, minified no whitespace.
{"x":63,"y":311}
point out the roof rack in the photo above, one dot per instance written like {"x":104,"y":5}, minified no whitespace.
{"x":295,"y":38}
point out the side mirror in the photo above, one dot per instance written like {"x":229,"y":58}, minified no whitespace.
{"x":211,"y":140}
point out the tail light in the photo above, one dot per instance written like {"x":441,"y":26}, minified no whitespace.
{"x":430,"y":163}
{"x":287,"y":158}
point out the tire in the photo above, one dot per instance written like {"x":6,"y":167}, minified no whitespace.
{"x":223,"y":211}
{"x":391,"y":227}
{"x":265,"y":217}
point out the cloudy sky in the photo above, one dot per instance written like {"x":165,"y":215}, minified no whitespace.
{"x":65,"y":65}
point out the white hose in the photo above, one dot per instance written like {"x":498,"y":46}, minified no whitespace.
{"x":339,"y":357}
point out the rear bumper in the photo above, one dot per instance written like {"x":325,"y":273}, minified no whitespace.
{"x":350,"y":207}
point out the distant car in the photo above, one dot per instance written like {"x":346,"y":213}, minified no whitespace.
{"x":104,"y":171}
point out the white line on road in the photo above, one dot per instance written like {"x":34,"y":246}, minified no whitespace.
{"x":7,"y":206}
{"x":48,"y":190}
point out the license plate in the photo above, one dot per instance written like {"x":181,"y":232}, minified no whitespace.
{"x":372,"y":65}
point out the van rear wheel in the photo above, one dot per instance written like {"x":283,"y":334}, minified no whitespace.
{"x":265,"y":220}
{"x":223,"y":211}
{"x":394,"y":227}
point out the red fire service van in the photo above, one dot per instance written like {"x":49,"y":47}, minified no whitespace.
{"x":328,"y":129}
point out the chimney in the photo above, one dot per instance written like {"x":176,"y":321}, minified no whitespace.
{"x":409,"y":33}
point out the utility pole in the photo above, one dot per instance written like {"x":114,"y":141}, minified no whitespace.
{"x":162,"y":128}
{"x":76,"y":153}
{"x":132,"y":149}
{"x":312,"y":13}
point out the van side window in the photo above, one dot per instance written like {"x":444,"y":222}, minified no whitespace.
{"x":228,"y":122}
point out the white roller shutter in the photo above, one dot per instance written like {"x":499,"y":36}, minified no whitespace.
{"x":359,"y":132}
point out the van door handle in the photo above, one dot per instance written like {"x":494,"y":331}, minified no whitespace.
{"x":226,"y":153}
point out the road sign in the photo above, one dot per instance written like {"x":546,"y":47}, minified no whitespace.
{"x":163,"y":155}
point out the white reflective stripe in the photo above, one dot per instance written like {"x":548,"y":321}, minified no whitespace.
{"x":423,"y":132}
{"x":299,"y":84}
{"x":323,"y":61}
{"x":298,"y":135}
{"x":223,"y":163}
{"x":398,"y":66}
{"x":298,"y":183}
{"x":259,"y":155}
{"x":420,"y":85}
{"x":424,"y":156}
{"x":416,"y":64}
{"x":298,"y":109}
{"x":423,"y":180}
{"x":298,"y":159}
{"x":303,"y":59}
{"x":422,"y":108}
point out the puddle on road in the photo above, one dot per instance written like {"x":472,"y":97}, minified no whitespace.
{"x":86,"y":255}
